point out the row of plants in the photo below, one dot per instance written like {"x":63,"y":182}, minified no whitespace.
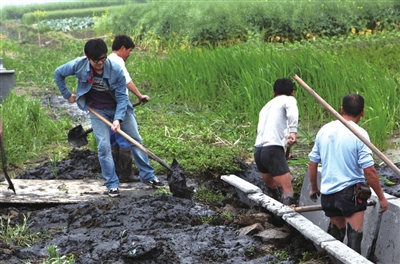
{"x":17,"y":12}
{"x":66,"y":24}
{"x":228,"y":22}
{"x":38,"y":15}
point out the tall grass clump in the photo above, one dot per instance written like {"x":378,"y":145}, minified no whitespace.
{"x":28,"y":130}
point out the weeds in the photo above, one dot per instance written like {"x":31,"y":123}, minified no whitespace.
{"x":55,"y":258}
{"x":162,"y":190}
{"x":281,"y":254}
{"x":53,"y":165}
{"x":206,"y":196}
{"x":223,"y":218}
{"x":20,"y":235}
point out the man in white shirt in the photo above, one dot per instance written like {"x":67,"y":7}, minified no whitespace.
{"x":122,"y":150}
{"x":277,"y":127}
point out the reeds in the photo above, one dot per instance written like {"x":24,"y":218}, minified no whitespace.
{"x":237,"y":81}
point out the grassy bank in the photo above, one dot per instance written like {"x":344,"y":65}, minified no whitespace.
{"x":205,"y":102}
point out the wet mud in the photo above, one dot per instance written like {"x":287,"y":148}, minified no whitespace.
{"x":389,"y":180}
{"x":159,"y":228}
{"x":152,"y":229}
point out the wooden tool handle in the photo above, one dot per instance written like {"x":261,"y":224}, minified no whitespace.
{"x":134,"y":142}
{"x":341,"y":119}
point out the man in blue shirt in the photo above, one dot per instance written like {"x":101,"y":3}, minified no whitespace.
{"x":102,"y":87}
{"x":346,"y":161}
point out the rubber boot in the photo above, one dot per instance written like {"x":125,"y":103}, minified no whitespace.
{"x":336,"y":232}
{"x":354,"y":238}
{"x":275,"y":193}
{"x":286,"y":200}
{"x":115,"y":155}
{"x":125,"y":165}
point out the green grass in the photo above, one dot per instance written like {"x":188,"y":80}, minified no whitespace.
{"x":235,"y":82}
{"x":205,"y":102}
{"x":55,"y":258}
{"x":29,"y":129}
{"x":20,"y":235}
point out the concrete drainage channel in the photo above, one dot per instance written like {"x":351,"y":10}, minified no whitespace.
{"x":381,"y":238}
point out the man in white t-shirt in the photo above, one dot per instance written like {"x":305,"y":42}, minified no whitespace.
{"x":121,"y":148}
{"x":277,"y":127}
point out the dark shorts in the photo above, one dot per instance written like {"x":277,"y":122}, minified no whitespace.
{"x":342,"y":203}
{"x":271,"y":160}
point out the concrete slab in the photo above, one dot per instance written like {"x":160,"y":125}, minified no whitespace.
{"x":317,"y":217}
{"x":387,"y":249}
{"x":308,"y":228}
{"x":65,"y":191}
{"x":241,"y":184}
{"x":372,"y":220}
{"x":371,"y":228}
{"x":338,"y":251}
{"x":344,"y":254}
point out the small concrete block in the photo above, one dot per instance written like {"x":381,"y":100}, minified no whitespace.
{"x":241,"y":184}
{"x":344,"y":254}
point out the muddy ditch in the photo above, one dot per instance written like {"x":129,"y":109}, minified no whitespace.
{"x":158,"y":228}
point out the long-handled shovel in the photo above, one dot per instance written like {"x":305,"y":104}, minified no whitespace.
{"x":176,"y":176}
{"x":341,"y":119}
{"x":4,"y":161}
{"x":134,"y":142}
{"x":77,"y":137}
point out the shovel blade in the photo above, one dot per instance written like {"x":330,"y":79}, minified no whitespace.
{"x":77,"y":137}
{"x":177,"y":182}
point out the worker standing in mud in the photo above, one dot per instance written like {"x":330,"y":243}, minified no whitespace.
{"x":277,"y":127}
{"x":102,"y":87}
{"x":346,"y":163}
{"x":121,"y":150}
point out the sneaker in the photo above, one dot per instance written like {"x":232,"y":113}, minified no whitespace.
{"x":155,"y":183}
{"x":113,"y":192}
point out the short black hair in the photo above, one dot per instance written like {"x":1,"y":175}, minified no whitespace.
{"x":283,"y":86}
{"x":122,"y":41}
{"x":353,"y":104}
{"x":95,"y":48}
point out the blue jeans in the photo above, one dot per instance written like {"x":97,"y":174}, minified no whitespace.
{"x":102,"y":133}
{"x":117,"y":139}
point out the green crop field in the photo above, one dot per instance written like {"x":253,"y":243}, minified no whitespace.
{"x":209,"y":68}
